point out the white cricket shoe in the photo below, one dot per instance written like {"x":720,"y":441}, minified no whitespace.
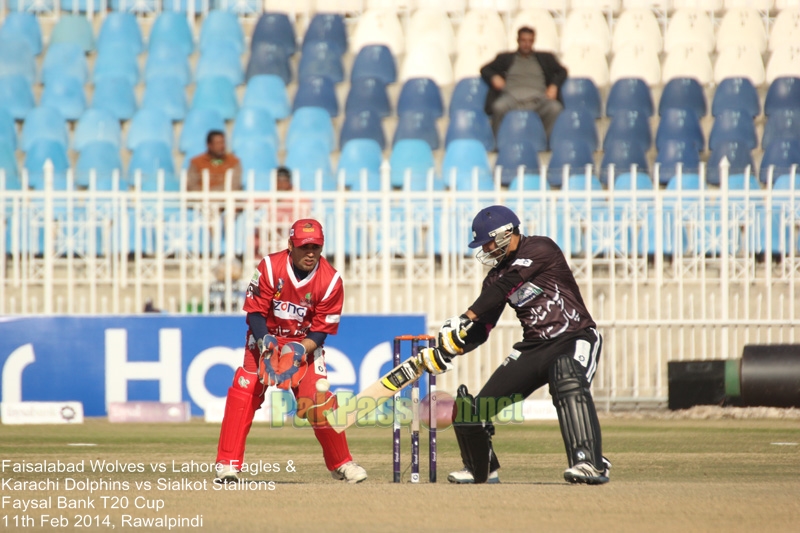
{"x":350,"y":472}
{"x":226,"y":474}
{"x":464,"y":476}
{"x":587,"y":473}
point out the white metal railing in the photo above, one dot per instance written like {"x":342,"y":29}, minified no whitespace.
{"x":668,"y":274}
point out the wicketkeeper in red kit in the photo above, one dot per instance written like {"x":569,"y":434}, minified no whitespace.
{"x":294,"y":301}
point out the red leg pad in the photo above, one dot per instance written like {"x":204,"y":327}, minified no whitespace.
{"x":334,"y":447}
{"x":244,"y":398}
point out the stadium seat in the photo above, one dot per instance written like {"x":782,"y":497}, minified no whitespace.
{"x":220,"y":60}
{"x":378,"y":26}
{"x":134,"y":6}
{"x":321,"y":59}
{"x":167,"y":95}
{"x":636,"y":61}
{"x":114,"y":60}
{"x":327,"y":27}
{"x":16,"y":95}
{"x":546,"y":29}
{"x":781,"y":124}
{"x":362,"y":125}
{"x":733,"y":125}
{"x":39,"y":152}
{"x":739,"y":157}
{"x":64,"y":59}
{"x":586,"y":61}
{"x":217,"y":93}
{"x":420,"y":94}
{"x":739,"y":61}
{"x":413,"y":166}
{"x":673,"y":152}
{"x":784,"y":61}
{"x":8,"y":164}
{"x":275,"y":29}
{"x":171,"y":30}
{"x":268,"y":58}
{"x":115,"y":94}
{"x":785,"y":27}
{"x":258,"y":160}
{"x":575,"y":124}
{"x":466,"y":166}
{"x":683,"y":93}
{"x":268,"y":92}
{"x":515,"y":158}
{"x":149,"y":125}
{"x":167,"y":60}
{"x":468,"y":124}
{"x":576,"y":153}
{"x":360,"y":165}
{"x":196,"y":125}
{"x":8,"y":130}
{"x":149,"y":158}
{"x":688,"y":62}
{"x":254,"y":124}
{"x":316,"y":92}
{"x":529,"y":182}
{"x":637,"y":27}
{"x":736,"y":93}
{"x":629,"y":125}
{"x":311,"y":166}
{"x":471,"y":59}
{"x":689,"y":27}
{"x":18,"y":59}
{"x":783,"y":93}
{"x":374,"y":61}
{"x":417,"y":125}
{"x":74,"y":29}
{"x":120,"y":29}
{"x":469,"y":93}
{"x":368,"y":93}
{"x":311,"y":123}
{"x":780,"y":155}
{"x":585,"y":26}
{"x":43,"y":122}
{"x":433,"y":26}
{"x":484,"y":25}
{"x":626,"y":182}
{"x":679,"y":124}
{"x":103,"y":158}
{"x":518,"y":126}
{"x":629,"y":94}
{"x":622,"y":154}
{"x":25,"y":27}
{"x":221,"y":27}
{"x":581,"y":93}
{"x":742,"y":26}
{"x":97,"y":125}
{"x":421,"y":61}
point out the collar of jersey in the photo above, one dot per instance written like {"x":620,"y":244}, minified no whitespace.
{"x":293,"y":278}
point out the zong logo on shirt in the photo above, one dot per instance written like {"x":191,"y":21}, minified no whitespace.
{"x":288,"y":310}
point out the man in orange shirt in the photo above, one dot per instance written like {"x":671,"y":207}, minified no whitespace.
{"x":217,"y":162}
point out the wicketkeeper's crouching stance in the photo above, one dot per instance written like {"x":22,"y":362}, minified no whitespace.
{"x":560,"y":347}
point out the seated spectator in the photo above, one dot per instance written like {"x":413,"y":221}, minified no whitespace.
{"x":217,"y":162}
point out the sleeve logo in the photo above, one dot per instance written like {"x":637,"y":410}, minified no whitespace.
{"x":522,"y":262}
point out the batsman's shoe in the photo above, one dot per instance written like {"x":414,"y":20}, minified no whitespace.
{"x":464,"y":476}
{"x":587,"y":473}
{"x":350,"y":472}
{"x":226,"y":474}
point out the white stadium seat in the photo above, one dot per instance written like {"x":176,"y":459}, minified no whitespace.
{"x":397,"y":6}
{"x":637,"y":27}
{"x":586,"y":26}
{"x":378,"y":27}
{"x":760,"y":5}
{"x":784,"y":61}
{"x":482,"y":25}
{"x":423,"y":61}
{"x":339,"y":6}
{"x":587,"y":61}
{"x":662,"y":5}
{"x":501,"y":6}
{"x":742,"y":25}
{"x":432,"y":26}
{"x":555,"y":6}
{"x":544,"y":25}
{"x":451,"y":6}
{"x":739,"y":62}
{"x":470,"y":59}
{"x":688,"y":62}
{"x":785,"y":28}
{"x":603,"y":5}
{"x":705,"y":5}
{"x":689,"y":27}
{"x":636,"y":61}
{"x":786,"y":4}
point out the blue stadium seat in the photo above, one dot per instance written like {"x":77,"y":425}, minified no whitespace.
{"x":622,"y":154}
{"x":573,"y":152}
{"x":8,"y":164}
{"x":18,"y":59}
{"x":469,"y":93}
{"x":167,"y":95}
{"x":625,"y":181}
{"x":25,"y":27}
{"x":217,"y":93}
{"x":64,"y":59}
{"x":374,"y":61}
{"x":103,"y":158}
{"x":196,"y":125}
{"x":311,"y":123}
{"x":368,"y":93}
{"x":275,"y":29}
{"x":44,"y":123}
{"x":467,"y":124}
{"x":575,"y":124}
{"x":220,"y":60}
{"x":529,"y":182}
{"x":144,"y":7}
{"x":79,"y":6}
{"x":411,"y":162}
{"x":120,"y":29}
{"x":522,"y":126}
{"x":116,"y":59}
{"x":37,"y":154}
{"x":581,"y":93}
{"x":73,"y":29}
{"x":171,"y":30}
{"x":361,"y":156}
{"x":149,"y":157}
{"x":254,"y":124}
{"x":780,"y":154}
{"x":630,"y":125}
{"x":362,"y":125}
{"x":316,"y":92}
{"x":629,"y":94}
{"x":257,"y":159}
{"x":167,"y":60}
{"x":420,"y":94}
{"x":327,"y":27}
{"x":516,"y":157}
{"x":781,"y":124}
{"x":97,"y":125}
{"x":783,"y":93}
{"x":466,"y":166}
{"x":268,"y":58}
{"x":417,"y":125}
{"x":149,"y":125}
{"x":115,"y":94}
{"x":8,"y":131}
{"x":309,"y":162}
{"x":683,"y":93}
{"x":16,"y":96}
{"x":218,"y":27}
{"x":733,"y":125}
{"x":321,"y":59}
{"x":674,"y":151}
{"x":268,"y":92}
{"x":736,"y":93}
{"x":679,"y":124}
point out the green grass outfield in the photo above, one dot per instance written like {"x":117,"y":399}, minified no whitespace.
{"x":668,"y":475}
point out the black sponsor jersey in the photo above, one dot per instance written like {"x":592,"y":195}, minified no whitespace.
{"x":545,"y":297}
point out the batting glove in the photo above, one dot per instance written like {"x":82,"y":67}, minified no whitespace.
{"x":453,"y":334}
{"x":435,"y":361}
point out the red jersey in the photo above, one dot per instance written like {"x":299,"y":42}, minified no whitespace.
{"x":294,"y":307}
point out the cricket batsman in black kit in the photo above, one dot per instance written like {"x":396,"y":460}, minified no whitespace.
{"x":560,"y":347}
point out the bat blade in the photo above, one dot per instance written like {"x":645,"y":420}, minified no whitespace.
{"x":376,"y":394}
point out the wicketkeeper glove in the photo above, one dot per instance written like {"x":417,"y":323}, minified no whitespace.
{"x":453,"y":334}
{"x":435,"y":360}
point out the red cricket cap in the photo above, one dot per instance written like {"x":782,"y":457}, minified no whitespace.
{"x":306,"y":231}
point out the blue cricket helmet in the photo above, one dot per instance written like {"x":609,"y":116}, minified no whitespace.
{"x":491,"y":222}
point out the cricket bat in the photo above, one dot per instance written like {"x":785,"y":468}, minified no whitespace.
{"x":387,"y":386}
